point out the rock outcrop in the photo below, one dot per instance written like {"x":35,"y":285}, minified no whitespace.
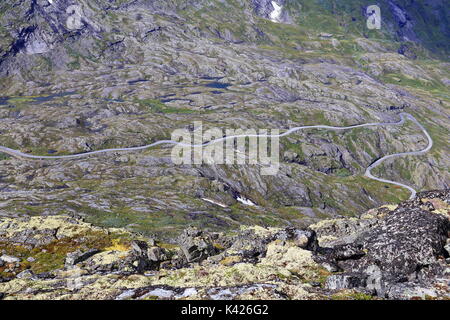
{"x":393,"y":252}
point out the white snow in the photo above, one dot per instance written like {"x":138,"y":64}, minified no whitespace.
{"x":50,"y":1}
{"x":215,"y":202}
{"x":245,"y":201}
{"x":276,"y":14}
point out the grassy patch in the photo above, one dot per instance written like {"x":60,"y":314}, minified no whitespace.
{"x":159,"y":107}
{"x":52,"y":256}
{"x":351,"y":295}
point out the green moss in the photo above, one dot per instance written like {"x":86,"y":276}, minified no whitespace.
{"x":4,"y":156}
{"x":52,"y":256}
{"x":344,"y":172}
{"x":352,"y":295}
{"x":159,"y":107}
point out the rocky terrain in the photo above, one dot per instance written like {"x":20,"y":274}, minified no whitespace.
{"x":79,"y":76}
{"x":393,"y":252}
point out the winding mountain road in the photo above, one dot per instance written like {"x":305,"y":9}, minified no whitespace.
{"x":368,"y":173}
{"x":375,"y":164}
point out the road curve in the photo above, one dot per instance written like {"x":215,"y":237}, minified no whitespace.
{"x":375,"y":164}
{"x":403,"y":117}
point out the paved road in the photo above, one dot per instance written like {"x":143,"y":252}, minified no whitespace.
{"x":368,"y":172}
{"x":403,"y":117}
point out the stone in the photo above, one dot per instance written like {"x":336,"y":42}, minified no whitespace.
{"x":346,"y":281}
{"x":139,"y":247}
{"x":143,"y":257}
{"x":45,"y":275}
{"x":111,"y":261}
{"x":330,"y":267}
{"x":402,"y":256}
{"x":347,"y":251}
{"x":404,"y":241}
{"x":78,"y":256}
{"x":165,"y":265}
{"x":27,"y":274}
{"x":155,"y":254}
{"x":196,"y":245}
{"x":396,"y":258}
{"x":305,"y":239}
{"x":9,"y":259}
{"x":408,"y":291}
{"x":447,"y":249}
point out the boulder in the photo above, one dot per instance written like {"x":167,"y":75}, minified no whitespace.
{"x":146,"y":255}
{"x":347,"y":251}
{"x":9,"y":259}
{"x":408,"y":291}
{"x":404,"y":242}
{"x":27,"y":274}
{"x":305,"y":239}
{"x":403,"y":252}
{"x":196,"y":245}
{"x":346,"y":281}
{"x":447,"y":249}
{"x":155,"y":254}
{"x":109,"y":261}
{"x":78,"y":256}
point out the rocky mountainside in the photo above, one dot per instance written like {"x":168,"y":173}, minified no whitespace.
{"x":77,"y":76}
{"x":393,"y":252}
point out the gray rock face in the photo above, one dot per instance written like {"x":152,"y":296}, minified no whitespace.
{"x":76,"y":257}
{"x":404,"y":22}
{"x":419,"y":235}
{"x":406,"y":291}
{"x":346,"y":281}
{"x":45,"y":25}
{"x":34,"y":238}
{"x":196,"y":245}
{"x":146,"y":257}
{"x":264,"y":8}
{"x":405,"y":245}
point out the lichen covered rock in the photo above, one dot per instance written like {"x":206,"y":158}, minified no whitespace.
{"x":396,"y":252}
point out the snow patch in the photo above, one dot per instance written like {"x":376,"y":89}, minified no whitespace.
{"x":215,"y":202}
{"x":276,"y":13}
{"x":245,"y":201}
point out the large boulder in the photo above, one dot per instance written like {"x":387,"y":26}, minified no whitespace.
{"x":402,"y":250}
{"x":78,"y":256}
{"x":196,"y":245}
{"x":406,"y":241}
{"x":146,"y":256}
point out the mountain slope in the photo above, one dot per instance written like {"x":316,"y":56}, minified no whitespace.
{"x":78,"y":76}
